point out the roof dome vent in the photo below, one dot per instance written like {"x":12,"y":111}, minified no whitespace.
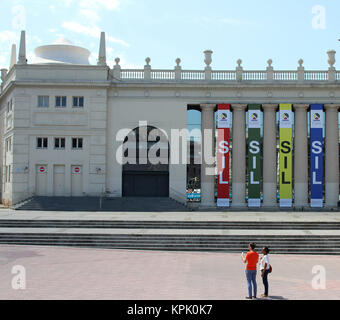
{"x":62,"y":51}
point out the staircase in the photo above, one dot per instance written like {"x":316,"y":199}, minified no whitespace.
{"x":90,"y":204}
{"x":175,"y":235}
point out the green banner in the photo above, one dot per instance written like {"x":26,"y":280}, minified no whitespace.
{"x":254,"y":155}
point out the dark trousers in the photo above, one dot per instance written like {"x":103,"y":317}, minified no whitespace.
{"x":265,"y":282}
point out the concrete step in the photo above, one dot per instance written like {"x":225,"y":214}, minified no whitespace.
{"x":90,"y":224}
{"x":325,"y":245}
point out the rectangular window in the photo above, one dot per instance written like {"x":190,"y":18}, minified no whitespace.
{"x":77,"y":143}
{"x":42,"y":143}
{"x":43,"y":101}
{"x":9,"y":106}
{"x":60,"y":102}
{"x":59,"y":143}
{"x":9,"y":144}
{"x":9,"y":173}
{"x":78,"y":102}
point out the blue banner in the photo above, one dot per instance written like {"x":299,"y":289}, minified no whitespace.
{"x":316,"y":146}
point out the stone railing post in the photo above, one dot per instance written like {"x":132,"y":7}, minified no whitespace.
{"x":117,"y":69}
{"x":178,"y":70}
{"x":270,"y":71}
{"x":301,"y":71}
{"x":147,"y":69}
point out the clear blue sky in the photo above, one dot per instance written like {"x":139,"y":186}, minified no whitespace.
{"x":164,"y":30}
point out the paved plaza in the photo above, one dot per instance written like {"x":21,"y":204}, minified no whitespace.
{"x":73,"y":273}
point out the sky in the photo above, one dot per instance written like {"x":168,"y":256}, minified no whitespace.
{"x":164,"y":30}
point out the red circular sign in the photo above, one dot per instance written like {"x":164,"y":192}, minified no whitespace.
{"x":42,"y":169}
{"x":77,"y":170}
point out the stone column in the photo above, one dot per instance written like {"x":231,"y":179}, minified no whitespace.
{"x":301,"y":156}
{"x":332,"y":155}
{"x":208,"y":147}
{"x":239,"y":156}
{"x":269,"y":155}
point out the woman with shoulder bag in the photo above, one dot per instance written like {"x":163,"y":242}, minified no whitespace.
{"x":265,"y":268}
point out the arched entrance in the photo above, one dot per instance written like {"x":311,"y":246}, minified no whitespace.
{"x":142,"y":175}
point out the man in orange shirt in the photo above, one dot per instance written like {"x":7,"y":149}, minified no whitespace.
{"x":251,"y":260}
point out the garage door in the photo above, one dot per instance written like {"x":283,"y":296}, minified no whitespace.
{"x":146,"y":184}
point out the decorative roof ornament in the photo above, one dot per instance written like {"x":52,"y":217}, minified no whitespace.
{"x":300,"y":62}
{"x":102,"y":51}
{"x":22,"y":50}
{"x":13,"y":56}
{"x":208,"y":57}
{"x":331,"y":59}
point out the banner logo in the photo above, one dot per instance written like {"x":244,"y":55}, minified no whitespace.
{"x":224,"y":119}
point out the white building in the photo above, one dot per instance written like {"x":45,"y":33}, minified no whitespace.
{"x":60,"y":117}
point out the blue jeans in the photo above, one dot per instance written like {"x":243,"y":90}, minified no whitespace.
{"x":265,"y":282}
{"x":251,"y":279}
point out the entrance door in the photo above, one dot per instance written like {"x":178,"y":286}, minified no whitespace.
{"x":146,"y":176}
{"x":77,"y":181}
{"x":59,"y":180}
{"x":41,"y":180}
{"x":146,"y":184}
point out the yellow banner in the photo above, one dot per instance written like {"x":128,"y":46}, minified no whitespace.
{"x":286,"y":158}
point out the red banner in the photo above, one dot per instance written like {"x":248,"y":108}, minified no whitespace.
{"x":223,"y":155}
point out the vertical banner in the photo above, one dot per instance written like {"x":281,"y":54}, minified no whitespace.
{"x":316,"y":159}
{"x":254,"y":155}
{"x":223,"y":155}
{"x":286,"y":148}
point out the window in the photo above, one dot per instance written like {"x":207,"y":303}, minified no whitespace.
{"x":8,"y":107}
{"x":9,"y":144}
{"x":78,"y":102}
{"x":77,"y":143}
{"x":9,"y":173}
{"x":43,"y":101}
{"x":60,"y":102}
{"x":42,"y":143}
{"x":59,"y":143}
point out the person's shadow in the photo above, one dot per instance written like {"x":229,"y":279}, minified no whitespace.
{"x":273,"y":298}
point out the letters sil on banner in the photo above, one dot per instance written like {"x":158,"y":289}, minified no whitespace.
{"x":223,"y":155}
{"x":286,"y":149}
{"x":316,"y":151}
{"x":254,"y":155}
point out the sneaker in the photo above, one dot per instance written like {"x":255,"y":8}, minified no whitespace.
{"x":248,"y":298}
{"x":264,"y":296}
{"x":254,"y":297}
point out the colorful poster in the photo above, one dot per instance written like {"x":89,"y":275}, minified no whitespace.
{"x":316,"y":147}
{"x":223,"y":155}
{"x":254,"y":155}
{"x":286,"y":149}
